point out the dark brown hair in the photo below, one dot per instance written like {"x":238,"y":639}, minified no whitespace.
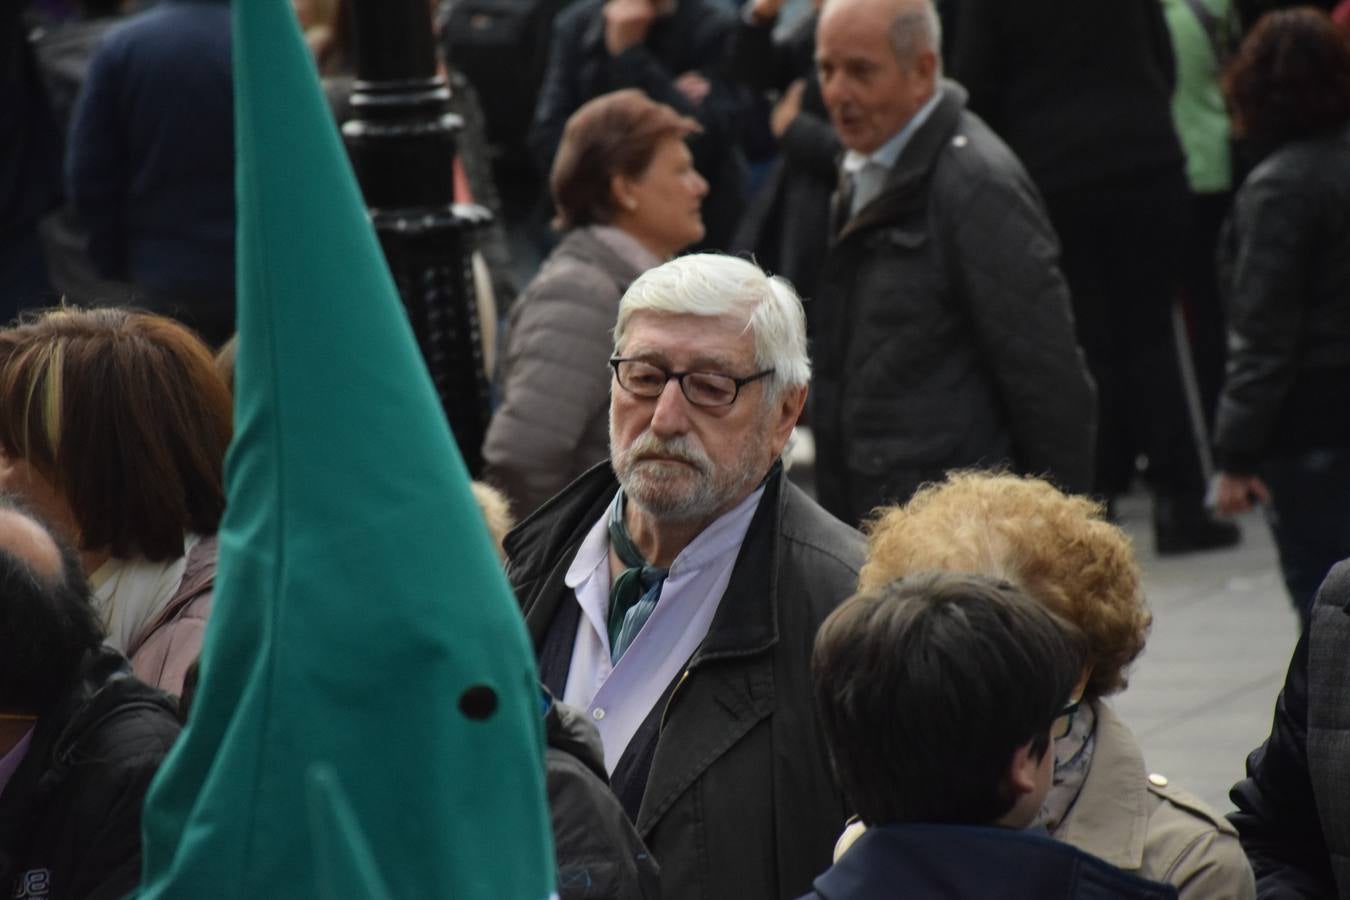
{"x":927,"y":686}
{"x":1291,"y":78}
{"x":614,"y":134}
{"x":124,"y":414}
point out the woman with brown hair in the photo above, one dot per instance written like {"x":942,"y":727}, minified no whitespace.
{"x":628,"y":198}
{"x":113,"y":427}
{"x":1281,"y":435}
{"x":1064,"y":554}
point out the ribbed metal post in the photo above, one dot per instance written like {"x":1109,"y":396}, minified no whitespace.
{"x":401,"y":137}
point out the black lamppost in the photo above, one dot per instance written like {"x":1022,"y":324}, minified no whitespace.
{"x":401,"y":138}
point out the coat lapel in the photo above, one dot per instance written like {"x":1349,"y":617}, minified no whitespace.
{"x":729,"y":685}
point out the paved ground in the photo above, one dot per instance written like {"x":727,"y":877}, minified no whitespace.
{"x":1202,"y":694}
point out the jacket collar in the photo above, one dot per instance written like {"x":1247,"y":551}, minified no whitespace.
{"x":934,"y":861}
{"x":542,"y":546}
{"x":1110,"y":817}
{"x":905,"y":188}
{"x":583,"y":244}
{"x":199,"y":577}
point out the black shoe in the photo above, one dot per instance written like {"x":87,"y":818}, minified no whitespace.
{"x":1186,"y":526}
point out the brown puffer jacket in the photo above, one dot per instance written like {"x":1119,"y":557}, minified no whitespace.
{"x":171,"y":642}
{"x":552,"y":423}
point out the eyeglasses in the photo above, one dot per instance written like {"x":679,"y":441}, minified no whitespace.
{"x":1064,"y":721}
{"x":643,"y":379}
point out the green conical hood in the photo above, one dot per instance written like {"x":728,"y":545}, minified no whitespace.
{"x":358,"y":595}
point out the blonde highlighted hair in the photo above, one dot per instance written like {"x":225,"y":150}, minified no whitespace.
{"x":1057,"y":548}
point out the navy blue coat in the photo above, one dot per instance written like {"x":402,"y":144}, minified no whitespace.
{"x":150,"y":166}
{"x":947,"y":862}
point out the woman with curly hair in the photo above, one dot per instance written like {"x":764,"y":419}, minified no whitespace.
{"x":1062,"y":552}
{"x":1281,"y":435}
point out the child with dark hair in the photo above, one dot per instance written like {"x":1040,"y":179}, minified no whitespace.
{"x":940,"y":696}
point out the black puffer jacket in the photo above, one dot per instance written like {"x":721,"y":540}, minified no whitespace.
{"x":946,"y":337}
{"x":70,"y":818}
{"x":1289,"y":307}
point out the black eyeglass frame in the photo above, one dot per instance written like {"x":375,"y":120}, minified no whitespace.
{"x":1066,"y":714}
{"x":616,"y":361}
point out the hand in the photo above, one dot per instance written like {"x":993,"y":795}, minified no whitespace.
{"x":764,"y":12}
{"x":787,"y":108}
{"x":694,"y":87}
{"x":1234,"y":493}
{"x":626,"y":23}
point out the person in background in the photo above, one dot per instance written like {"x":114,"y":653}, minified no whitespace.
{"x":1066,"y":557}
{"x":113,"y":426}
{"x":786,"y":225}
{"x":628,"y":198}
{"x":1281,"y":436}
{"x":940,"y":696}
{"x":1082,"y":94}
{"x":150,"y":162}
{"x":1204,"y":36}
{"x":944,"y":334}
{"x":675,"y":52}
{"x":80,"y":738}
{"x":30,"y":167}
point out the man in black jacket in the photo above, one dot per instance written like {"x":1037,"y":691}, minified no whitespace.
{"x":1082,"y":94}
{"x":944,"y":336}
{"x":1294,"y":805}
{"x":80,"y":737}
{"x":677,"y":606}
{"x":672,"y":50}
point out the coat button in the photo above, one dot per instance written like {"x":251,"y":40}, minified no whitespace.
{"x":597,"y":714}
{"x":960,"y":141}
{"x":1157,"y":780}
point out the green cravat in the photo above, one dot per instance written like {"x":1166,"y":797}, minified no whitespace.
{"x":633,"y":596}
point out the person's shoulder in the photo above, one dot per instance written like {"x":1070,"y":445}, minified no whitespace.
{"x":818,"y":538}
{"x":1193,"y":845}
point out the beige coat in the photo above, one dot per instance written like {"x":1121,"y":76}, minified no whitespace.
{"x":1144,"y":824}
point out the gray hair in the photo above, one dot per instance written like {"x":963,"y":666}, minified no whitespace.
{"x":713,"y":284}
{"x":917,"y":28}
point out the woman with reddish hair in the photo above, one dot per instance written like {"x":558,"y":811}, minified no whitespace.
{"x":1281,"y":434}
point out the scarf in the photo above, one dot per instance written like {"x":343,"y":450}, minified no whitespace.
{"x":633,"y":596}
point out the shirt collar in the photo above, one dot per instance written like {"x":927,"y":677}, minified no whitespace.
{"x":887,"y":154}
{"x":721,"y":537}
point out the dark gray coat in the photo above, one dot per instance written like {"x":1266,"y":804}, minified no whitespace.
{"x":553,"y":421}
{"x":740,"y":801}
{"x":945,"y":334}
{"x":1293,"y":808}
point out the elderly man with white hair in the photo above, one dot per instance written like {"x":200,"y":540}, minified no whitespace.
{"x":945,"y":337}
{"x":673,"y":592}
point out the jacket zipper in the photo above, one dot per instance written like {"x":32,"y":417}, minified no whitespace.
{"x":679,"y":684}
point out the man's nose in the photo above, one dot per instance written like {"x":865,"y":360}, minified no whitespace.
{"x":671,"y":415}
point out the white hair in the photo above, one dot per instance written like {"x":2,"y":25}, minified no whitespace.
{"x":916,"y":29}
{"x":713,"y":284}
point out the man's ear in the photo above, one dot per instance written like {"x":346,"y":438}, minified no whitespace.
{"x":1019,"y":787}
{"x":926,"y":67}
{"x":1022,"y":771}
{"x":787,"y":410}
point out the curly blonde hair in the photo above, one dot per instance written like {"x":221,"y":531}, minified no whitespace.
{"x":1058,"y":548}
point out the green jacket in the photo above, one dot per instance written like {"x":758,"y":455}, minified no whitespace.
{"x":1198,"y":106}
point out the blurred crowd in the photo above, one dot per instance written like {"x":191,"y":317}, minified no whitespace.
{"x":1001,"y":263}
